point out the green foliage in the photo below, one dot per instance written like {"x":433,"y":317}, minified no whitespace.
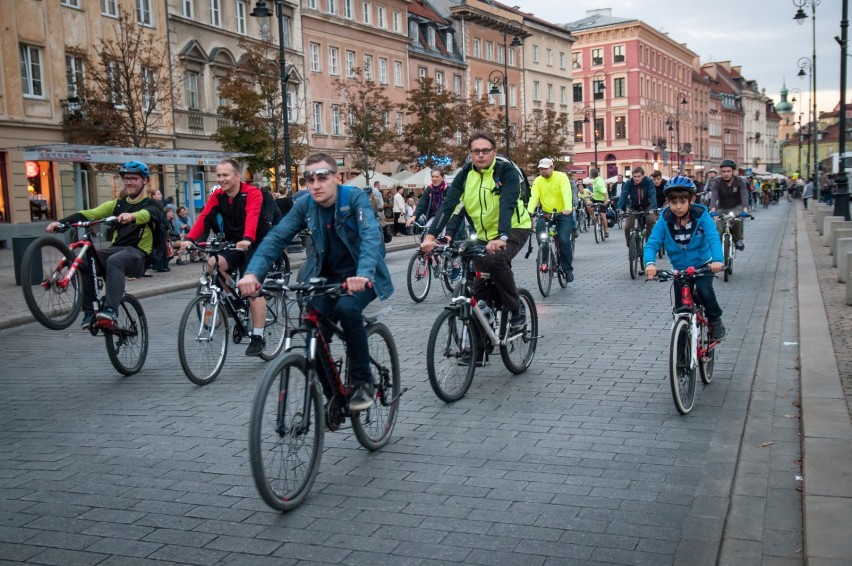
{"x":430,"y":133}
{"x":546,"y":134}
{"x":470,"y":115}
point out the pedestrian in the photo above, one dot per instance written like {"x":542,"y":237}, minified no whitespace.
{"x":398,"y":212}
{"x":809,"y":192}
{"x":159,"y":254}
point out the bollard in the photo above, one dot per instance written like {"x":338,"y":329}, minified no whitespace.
{"x":836,"y":234}
{"x":844,"y":248}
{"x":828,"y":224}
{"x":822,"y":210}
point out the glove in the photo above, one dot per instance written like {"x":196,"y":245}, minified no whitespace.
{"x":744,"y":214}
{"x":714,"y":214}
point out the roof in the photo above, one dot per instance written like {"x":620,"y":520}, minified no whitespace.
{"x":66,"y":152}
{"x":596,"y":21}
{"x":424,"y":10}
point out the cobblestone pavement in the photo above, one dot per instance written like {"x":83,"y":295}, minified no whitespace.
{"x":581,"y":460}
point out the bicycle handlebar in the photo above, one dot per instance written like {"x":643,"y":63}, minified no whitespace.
{"x":689,"y":272}
{"x":65,"y":226}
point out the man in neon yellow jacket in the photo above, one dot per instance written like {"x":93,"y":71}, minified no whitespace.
{"x":600,"y":197}
{"x":553,"y":190}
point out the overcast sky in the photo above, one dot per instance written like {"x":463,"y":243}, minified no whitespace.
{"x":758,"y":35}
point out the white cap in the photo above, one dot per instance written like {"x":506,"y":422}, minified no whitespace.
{"x":545,"y":163}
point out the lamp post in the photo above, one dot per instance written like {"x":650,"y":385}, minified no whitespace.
{"x":585,"y":110}
{"x":805,"y":63}
{"x":799,"y":162}
{"x":497,"y":77}
{"x":796,"y":93}
{"x":262,"y":11}
{"x":800,"y":18}
{"x":841,"y":202}
{"x":598,"y":88}
{"x":680,"y":155}
{"x":670,"y":123}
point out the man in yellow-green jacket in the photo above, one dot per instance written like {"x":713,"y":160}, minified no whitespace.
{"x":489,"y":186}
{"x":552,"y":190}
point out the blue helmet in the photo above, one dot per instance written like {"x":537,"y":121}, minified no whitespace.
{"x":135,"y":168}
{"x":680,"y":183}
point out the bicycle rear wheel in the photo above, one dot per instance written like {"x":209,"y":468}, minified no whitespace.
{"x":44,"y":268}
{"x":543,"y":271}
{"x":276,"y":325}
{"x":602,"y":229}
{"x":127,"y":344}
{"x":519,"y":352}
{"x":373,"y":427}
{"x":598,"y":234}
{"x":451,"y":355}
{"x":203,"y":339}
{"x":681,"y":372}
{"x":419,"y":277}
{"x":286,"y":433}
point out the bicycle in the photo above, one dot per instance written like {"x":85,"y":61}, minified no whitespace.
{"x":468,"y":324}
{"x":598,"y":226}
{"x":286,"y":428}
{"x":636,"y":243}
{"x":422,"y":267}
{"x":692,"y":346}
{"x":547,"y":261}
{"x":203,"y":330}
{"x":582,"y":217}
{"x":729,"y":248}
{"x":53,"y":290}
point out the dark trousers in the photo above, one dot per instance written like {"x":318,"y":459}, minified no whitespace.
{"x":707,"y":296}
{"x":564,"y":227}
{"x":347,"y":311}
{"x":120,"y":262}
{"x":499,"y":266}
{"x":805,"y":200}
{"x":159,"y":254}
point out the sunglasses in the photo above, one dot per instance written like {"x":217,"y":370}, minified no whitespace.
{"x":319,"y":174}
{"x":481,"y":151}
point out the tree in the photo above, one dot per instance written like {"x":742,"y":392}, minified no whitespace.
{"x":128,"y":89}
{"x":429,"y":134}
{"x":545,"y":135}
{"x":470,"y":115}
{"x":366,"y":116}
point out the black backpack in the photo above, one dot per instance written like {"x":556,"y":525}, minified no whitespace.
{"x":270,"y":214}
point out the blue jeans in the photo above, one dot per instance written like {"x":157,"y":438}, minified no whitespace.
{"x":347,"y":311}
{"x":564,"y":227}
{"x":707,"y":296}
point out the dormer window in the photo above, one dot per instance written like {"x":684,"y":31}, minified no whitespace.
{"x":450,"y":46}
{"x":413,"y":31}
{"x":430,"y":37}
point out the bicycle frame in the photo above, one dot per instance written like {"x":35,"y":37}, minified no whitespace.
{"x":220,"y":291}
{"x":689,"y":309}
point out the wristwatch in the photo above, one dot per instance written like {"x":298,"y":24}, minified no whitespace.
{"x":504,"y":237}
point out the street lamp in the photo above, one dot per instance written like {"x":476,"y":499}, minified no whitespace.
{"x":262,"y":11}
{"x":498,"y":77}
{"x":680,"y":155}
{"x":598,"y":88}
{"x":670,"y":124}
{"x":805,"y":63}
{"x":800,"y":18}
{"x":841,"y":202}
{"x":586,"y":110}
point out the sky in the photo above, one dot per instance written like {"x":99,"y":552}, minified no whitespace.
{"x":758,"y":35}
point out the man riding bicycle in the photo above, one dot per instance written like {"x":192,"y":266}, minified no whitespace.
{"x":729,"y":194}
{"x":640,"y":195}
{"x":239,"y":206}
{"x":600,"y":197}
{"x":348,"y":248}
{"x":489,"y":186}
{"x":553,"y":190}
{"x":132,"y":242}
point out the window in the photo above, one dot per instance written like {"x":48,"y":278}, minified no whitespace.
{"x":511,"y":57}
{"x":74,"y":75}
{"x":599,"y":128}
{"x":576,"y":61}
{"x":477,"y":89}
{"x":347,"y":9}
{"x":149,"y":90}
{"x":578,"y":92}
{"x":598,"y":88}
{"x":292,"y":98}
{"x":439,"y":79}
{"x":535,"y":53}
{"x":501,"y":54}
{"x":413,"y":31}
{"x":597,"y":57}
{"x":333,"y":61}
{"x":71,"y":3}
{"x":192,"y":90}
{"x":368,"y":67}
{"x":449,"y":43}
{"x":397,"y":21}
{"x":513,"y":100}
{"x":350,"y":64}
{"x":399,"y":130}
{"x":397,"y":73}
{"x":216,"y":13}
{"x":618,"y":89}
{"x":335,"y":121}
{"x":110,"y":7}
{"x":365,"y":12}
{"x":315,"y":57}
{"x":386,"y":119}
{"x":317,"y":117}
{"x":383,"y":71}
{"x":381,"y":17}
{"x":241,"y":17}
{"x":563,"y":95}
{"x":217,"y":92}
{"x":421,"y":72}
{"x":550,"y":57}
{"x":561,"y":59}
{"x":114,"y":84}
{"x":477,"y":47}
{"x":143,"y":13}
{"x":286,"y":40}
{"x":549,"y":92}
{"x":618,"y":54}
{"x":578,"y":130}
{"x":489,"y":51}
{"x":457,"y":85}
{"x":430,"y":37}
{"x":620,"y":127}
{"x":31,"y":78}
{"x":331,"y":5}
{"x":536,"y":91}
{"x":312,"y":4}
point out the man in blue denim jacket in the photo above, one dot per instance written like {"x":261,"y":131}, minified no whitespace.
{"x":347,"y":248}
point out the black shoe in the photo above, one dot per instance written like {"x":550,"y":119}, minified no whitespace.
{"x":740,"y":245}
{"x":575,"y":234}
{"x":569,"y":276}
{"x":464,"y":360}
{"x":519,"y":318}
{"x":719,"y":331}
{"x":146,"y":274}
{"x":164,"y":270}
{"x":363,"y":398}
{"x":257,"y":345}
{"x":87,"y":320}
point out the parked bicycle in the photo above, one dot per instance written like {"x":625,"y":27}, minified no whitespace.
{"x":204,"y":332}
{"x":423,"y":267}
{"x":636,"y":243}
{"x":53,"y":290}
{"x":468,"y":329}
{"x":692,"y":346}
{"x":288,"y":420}
{"x":547,"y":263}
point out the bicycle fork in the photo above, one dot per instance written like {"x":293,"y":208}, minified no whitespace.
{"x":209,"y":319}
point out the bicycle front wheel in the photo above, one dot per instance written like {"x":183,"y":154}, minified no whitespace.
{"x":543,"y":271}
{"x":452,"y":273}
{"x":52,"y":300}
{"x":278,"y":310}
{"x":557,"y":263}
{"x":373,"y":426}
{"x":518,"y":353}
{"x":127,"y":344}
{"x":286,"y":433}
{"x":707,"y":362}
{"x":451,"y":355}
{"x":681,"y":372}
{"x":203,"y":339}
{"x":633,"y":255}
{"x":419,"y":277}
{"x":727,"y":249}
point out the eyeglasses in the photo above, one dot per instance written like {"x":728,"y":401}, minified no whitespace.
{"x":481,"y":151}
{"x":319,"y":174}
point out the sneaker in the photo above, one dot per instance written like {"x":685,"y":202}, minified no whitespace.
{"x":740,"y":245}
{"x":464,"y":360}
{"x":569,"y":276}
{"x":519,"y":317}
{"x":454,"y":273}
{"x":87,"y":319}
{"x":719,"y":331}
{"x":362,"y":398}
{"x":180,"y":262}
{"x":575,"y":233}
{"x":107,"y":318}
{"x":257,"y":345}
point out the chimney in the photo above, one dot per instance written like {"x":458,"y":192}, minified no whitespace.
{"x":599,"y":12}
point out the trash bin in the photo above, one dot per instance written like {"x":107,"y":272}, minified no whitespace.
{"x":19,"y":246}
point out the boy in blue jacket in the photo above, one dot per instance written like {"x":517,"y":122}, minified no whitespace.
{"x":689,"y":235}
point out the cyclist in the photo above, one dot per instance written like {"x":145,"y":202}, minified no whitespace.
{"x":600,"y":197}
{"x":584,"y":198}
{"x":239,"y":206}
{"x":729,"y":194}
{"x":431,"y":200}
{"x":132,"y":242}
{"x":348,"y":248}
{"x":553,"y":190}
{"x":489,"y":186}
{"x":640,"y":195}
{"x":708,"y":183}
{"x":659,"y":186}
{"x":687,"y":234}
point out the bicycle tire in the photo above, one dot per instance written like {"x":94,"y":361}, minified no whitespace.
{"x":707,"y":363}
{"x":282,"y":266}
{"x":211,"y":339}
{"x":373,"y":426}
{"x":727,"y":249}
{"x":602,"y":229}
{"x":681,"y":372}
{"x":632,"y":256}
{"x":519,"y":353}
{"x":554,"y":251}
{"x":449,"y":379}
{"x":419,"y":277}
{"x":450,"y":282}
{"x":276,"y":325}
{"x":53,"y":306}
{"x":595,"y":223}
{"x":285,"y":449}
{"x":543,"y":272}
{"x":127,"y":347}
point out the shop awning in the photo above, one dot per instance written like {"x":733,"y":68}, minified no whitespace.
{"x":64,"y":152}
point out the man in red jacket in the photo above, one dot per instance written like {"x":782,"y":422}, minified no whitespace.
{"x":239,"y":205}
